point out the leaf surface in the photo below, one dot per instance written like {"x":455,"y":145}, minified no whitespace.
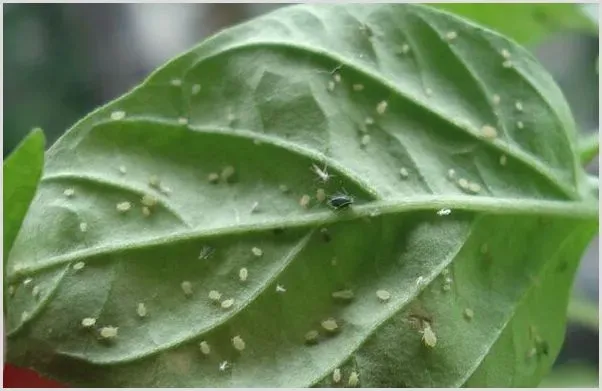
{"x":259,"y":98}
{"x":22,"y":172}
{"x":526,"y":23}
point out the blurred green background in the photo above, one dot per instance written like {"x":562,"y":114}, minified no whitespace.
{"x":61,"y":61}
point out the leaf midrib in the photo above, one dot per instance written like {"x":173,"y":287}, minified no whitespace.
{"x":470,"y":204}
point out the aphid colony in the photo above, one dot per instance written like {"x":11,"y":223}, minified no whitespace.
{"x":329,"y":326}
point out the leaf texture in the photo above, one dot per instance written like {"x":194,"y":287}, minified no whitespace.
{"x":271,"y":98}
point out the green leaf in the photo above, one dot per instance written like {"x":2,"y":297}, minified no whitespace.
{"x":588,"y":146}
{"x":525,"y":23}
{"x":272,"y":98}
{"x":22,"y":172}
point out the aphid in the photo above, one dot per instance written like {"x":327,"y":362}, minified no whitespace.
{"x":231,"y":118}
{"x":365,"y":140}
{"x":238,"y":343}
{"x":503,"y":160}
{"x":518,"y":105}
{"x":463,"y":183}
{"x":358,"y":87}
{"x":257,"y":251}
{"x":213,"y":177}
{"x":280,"y":289}
{"x":468,"y":314}
{"x":330,"y":325}
{"x":428,"y":336}
{"x":403,"y":172}
{"x":27,"y":282}
{"x":227,"y":303}
{"x":243,"y":273}
{"x":284,"y":189}
{"x":311,"y":337}
{"x":224,"y":365}
{"x":489,"y":132}
{"x":474,"y":187}
{"x":354,"y":379}
{"x":109,"y":332}
{"x":165,"y":190}
{"x":381,"y":107}
{"x":123,"y":170}
{"x":444,"y":212}
{"x":117,"y":115}
{"x":519,"y":124}
{"x":446,"y":288}
{"x":88,"y":322}
{"x":507,"y":64}
{"x":254,"y":207}
{"x":451,"y":173}
{"x":35,"y":292}
{"x":336,"y":375}
{"x":451,"y":35}
{"x":24,"y":316}
{"x":186,"y":288}
{"x":405,"y":48}
{"x":331,"y":85}
{"x":304,"y":200}
{"x":366,"y":30}
{"x":445,"y":272}
{"x":196,"y":88}
{"x":69,"y":192}
{"x":154,"y":181}
{"x":496,"y":99}
{"x":419,"y":280}
{"x":340,"y":201}
{"x":205,"y":348}
{"x":141,"y":310}
{"x":206,"y":252}
{"x":183,"y":121}
{"x":325,"y":235}
{"x":215,"y":296}
{"x":383,"y":295}
{"x":320,"y":195}
{"x":176,"y":82}
{"x":228,"y":173}
{"x":345,"y":295}
{"x":146,"y":211}
{"x":322,"y":174}
{"x":428,"y":91}
{"x":11,"y":290}
{"x":123,"y":206}
{"x":337,"y":77}
{"x":505,"y":53}
{"x":149,"y":200}
{"x":532,"y":352}
{"x":484,"y":248}
{"x":83,"y":227}
{"x":79,"y":265}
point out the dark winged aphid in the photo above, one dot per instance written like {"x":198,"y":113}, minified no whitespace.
{"x":340,"y":201}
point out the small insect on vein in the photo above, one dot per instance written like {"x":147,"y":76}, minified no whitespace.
{"x":340,"y":201}
{"x":322,"y":174}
